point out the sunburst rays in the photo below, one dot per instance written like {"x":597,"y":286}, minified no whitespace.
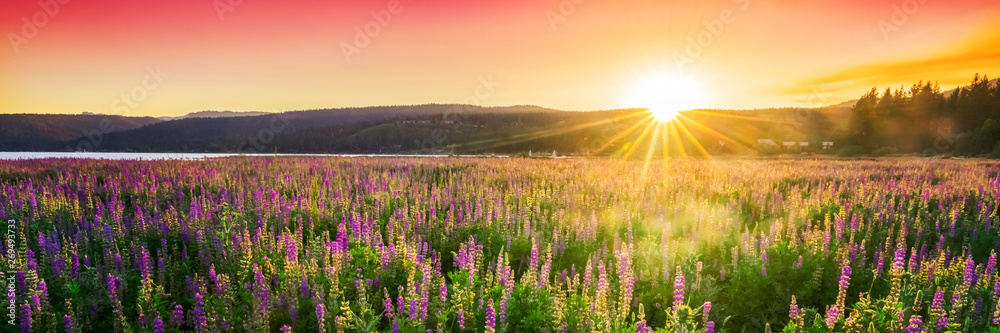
{"x":638,"y":133}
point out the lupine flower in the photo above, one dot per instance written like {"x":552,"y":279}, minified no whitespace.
{"x":178,"y":319}
{"x":198,"y":318}
{"x":678,"y":288}
{"x":845,"y":280}
{"x":68,"y":323}
{"x":262,"y":291}
{"x":387,"y":304}
{"x":321,"y":316}
{"x":304,"y":287}
{"x":157,"y":325}
{"x":461,"y":319}
{"x":490,"y":317}
{"x":831,"y":317}
{"x":25,"y":318}
{"x":937,"y":309}
{"x":710,"y":327}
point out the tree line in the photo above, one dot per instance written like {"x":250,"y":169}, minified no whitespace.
{"x":965,"y":121}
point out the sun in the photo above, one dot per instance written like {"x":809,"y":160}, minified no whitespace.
{"x":666,"y":95}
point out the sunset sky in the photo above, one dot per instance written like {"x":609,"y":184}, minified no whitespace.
{"x":256,"y":55}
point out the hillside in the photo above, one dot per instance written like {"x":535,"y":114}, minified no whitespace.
{"x":903,"y":121}
{"x":27,"y":132}
{"x":433,"y":128}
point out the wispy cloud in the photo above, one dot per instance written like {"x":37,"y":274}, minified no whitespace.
{"x":953,"y":66}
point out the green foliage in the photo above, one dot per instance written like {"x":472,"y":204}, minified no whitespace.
{"x":888,"y":150}
{"x":850,"y":151}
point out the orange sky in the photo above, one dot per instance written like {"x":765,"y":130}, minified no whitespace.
{"x":566,"y":54}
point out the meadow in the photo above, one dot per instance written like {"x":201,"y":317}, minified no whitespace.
{"x":297,"y":244}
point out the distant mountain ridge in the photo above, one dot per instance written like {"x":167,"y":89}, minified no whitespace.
{"x":216,"y":114}
{"x":437,"y":128}
{"x":406,"y":129}
{"x":27,"y":132}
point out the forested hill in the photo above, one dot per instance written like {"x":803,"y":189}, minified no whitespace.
{"x":434,"y":128}
{"x":964,"y":121}
{"x":36,"y":132}
{"x":920,"y":119}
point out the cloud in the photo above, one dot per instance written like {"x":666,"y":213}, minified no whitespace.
{"x":953,"y":66}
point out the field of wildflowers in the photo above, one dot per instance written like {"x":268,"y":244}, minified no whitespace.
{"x":499,"y":245}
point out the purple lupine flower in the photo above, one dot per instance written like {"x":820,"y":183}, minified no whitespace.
{"x":74,"y":265}
{"x":387,"y":304}
{"x":113,"y":284}
{"x":29,"y":255}
{"x":291,"y":249}
{"x":845,"y":277}
{"x":413,"y":310}
{"x":897,"y":264}
{"x":36,"y":301}
{"x":461,"y":319}
{"x":710,"y":327}
{"x":970,"y":272}
{"x":304,"y":287}
{"x":43,"y":290}
{"x":26,"y":321}
{"x":705,"y":309}
{"x":641,"y":327}
{"x":916,"y":325}
{"x":490,"y":315}
{"x":263,"y":293}
{"x":400,"y":303}
{"x":118,"y":262}
{"x":991,"y":264}
{"x":157,"y":325}
{"x":178,"y":319}
{"x":68,"y":323}
{"x":831,"y":317}
{"x":395,"y":326}
{"x":942,"y":322}
{"x":937,"y":309}
{"x":198,"y":318}
{"x":320,"y":315}
{"x":763,"y":271}
{"x":109,"y":234}
{"x":678,"y":289}
{"x":286,"y":328}
{"x":144,"y":261}
{"x":444,"y":293}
